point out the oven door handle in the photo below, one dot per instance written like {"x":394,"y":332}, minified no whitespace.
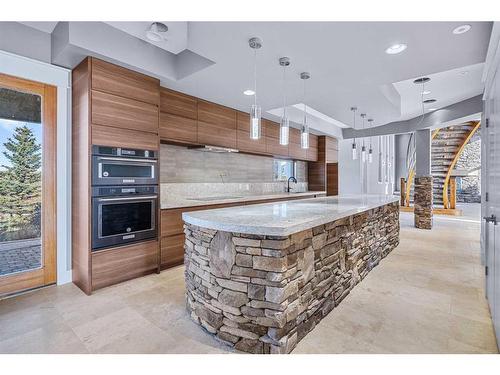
{"x":127,"y":198}
{"x":128,"y":159}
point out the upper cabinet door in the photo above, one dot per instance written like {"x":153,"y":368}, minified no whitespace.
{"x":294,"y":149}
{"x":273,"y":146}
{"x":124,"y":82}
{"x":178,"y":104}
{"x":331,"y":149}
{"x":216,"y":125}
{"x":177,"y":128}
{"x":244,"y":143}
{"x":112,"y":110}
{"x":312,"y":151}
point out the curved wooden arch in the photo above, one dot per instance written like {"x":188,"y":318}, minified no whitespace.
{"x":446,"y":201}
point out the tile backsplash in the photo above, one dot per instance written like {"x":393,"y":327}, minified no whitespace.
{"x":183,"y":165}
{"x":190,"y":173}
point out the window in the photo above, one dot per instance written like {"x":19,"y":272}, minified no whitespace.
{"x":283,"y":169}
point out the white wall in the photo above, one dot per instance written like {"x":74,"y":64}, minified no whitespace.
{"x":350,"y":171}
{"x":42,"y":72}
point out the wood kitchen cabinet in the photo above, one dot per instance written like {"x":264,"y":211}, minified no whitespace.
{"x":124,"y":82}
{"x":295,"y":151}
{"x":312,"y":151}
{"x":119,"y":112}
{"x":244,"y":143}
{"x":178,"y":117}
{"x":178,"y":104}
{"x":323,"y":174}
{"x":272,"y":135}
{"x":216,"y":125}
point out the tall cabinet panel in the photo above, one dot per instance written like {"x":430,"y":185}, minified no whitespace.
{"x":115,"y":107}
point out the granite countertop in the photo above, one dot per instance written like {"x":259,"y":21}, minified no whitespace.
{"x":178,"y":202}
{"x":285,"y":218}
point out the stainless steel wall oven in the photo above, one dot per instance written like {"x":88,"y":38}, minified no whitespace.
{"x":124,"y":196}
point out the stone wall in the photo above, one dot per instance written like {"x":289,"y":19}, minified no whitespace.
{"x":469,"y":187}
{"x":263,"y":294}
{"x":423,"y":202}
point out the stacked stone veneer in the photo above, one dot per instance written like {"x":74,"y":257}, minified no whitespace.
{"x":423,"y":202}
{"x":263,"y":294}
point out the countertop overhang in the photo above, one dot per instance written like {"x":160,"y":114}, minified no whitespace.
{"x":288,"y":217}
{"x":181,"y":202}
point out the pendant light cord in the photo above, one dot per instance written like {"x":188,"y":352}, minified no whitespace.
{"x":354,"y":121}
{"x":284,"y":91}
{"x":255,"y":75}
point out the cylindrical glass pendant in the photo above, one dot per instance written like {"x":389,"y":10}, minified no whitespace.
{"x":380,"y":161}
{"x":284,"y":130}
{"x":255,"y":124}
{"x":363,"y":154}
{"x":304,"y":136}
{"x":370,"y":156}
{"x":354,"y":151}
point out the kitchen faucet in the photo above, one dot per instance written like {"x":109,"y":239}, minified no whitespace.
{"x":288,"y":188}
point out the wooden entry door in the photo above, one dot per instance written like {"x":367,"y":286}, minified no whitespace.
{"x":27,"y":184}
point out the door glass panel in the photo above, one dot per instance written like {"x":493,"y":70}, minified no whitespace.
{"x":20,"y":181}
{"x":122,"y":218}
{"x":126,"y":170}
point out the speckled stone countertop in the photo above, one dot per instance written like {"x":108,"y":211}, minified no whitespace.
{"x":285,"y":218}
{"x":173,"y":201}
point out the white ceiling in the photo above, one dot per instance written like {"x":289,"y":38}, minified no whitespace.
{"x":45,"y":26}
{"x":176,"y":36}
{"x":347,"y":62}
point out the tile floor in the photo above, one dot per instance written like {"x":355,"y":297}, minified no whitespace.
{"x":425,"y":297}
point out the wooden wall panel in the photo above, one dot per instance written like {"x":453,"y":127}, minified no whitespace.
{"x":124,"y":82}
{"x":332,"y":180}
{"x":80,"y":212}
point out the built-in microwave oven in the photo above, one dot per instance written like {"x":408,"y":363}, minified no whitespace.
{"x":120,"y":166}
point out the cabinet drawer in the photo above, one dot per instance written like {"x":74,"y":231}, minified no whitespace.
{"x":244,"y":143}
{"x":172,"y":250}
{"x":123,"y":263}
{"x":178,"y":104}
{"x":115,"y":137}
{"x":124,"y":82}
{"x":112,"y":110}
{"x":177,"y":128}
{"x":171,"y":221}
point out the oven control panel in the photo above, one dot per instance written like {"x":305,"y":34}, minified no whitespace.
{"x":123,"y":152}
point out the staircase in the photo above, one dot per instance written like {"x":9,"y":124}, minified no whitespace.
{"x":447,"y":145}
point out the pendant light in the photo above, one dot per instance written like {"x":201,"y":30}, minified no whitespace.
{"x":370,"y":150}
{"x":354,"y":150}
{"x":284,"y":123}
{"x":304,"y":134}
{"x":363,"y":148}
{"x":255,"y":110}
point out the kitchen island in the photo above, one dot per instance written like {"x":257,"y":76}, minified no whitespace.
{"x":261,"y":277}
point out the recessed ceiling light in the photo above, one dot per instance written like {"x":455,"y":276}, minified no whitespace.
{"x":428,"y":101}
{"x":431,"y":109}
{"x":426,"y":92}
{"x":249,"y":92}
{"x":156,"y":32}
{"x":421,"y":80}
{"x":396,"y":48}
{"x":461,"y":29}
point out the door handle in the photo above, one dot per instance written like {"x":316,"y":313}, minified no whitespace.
{"x":491,"y":219}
